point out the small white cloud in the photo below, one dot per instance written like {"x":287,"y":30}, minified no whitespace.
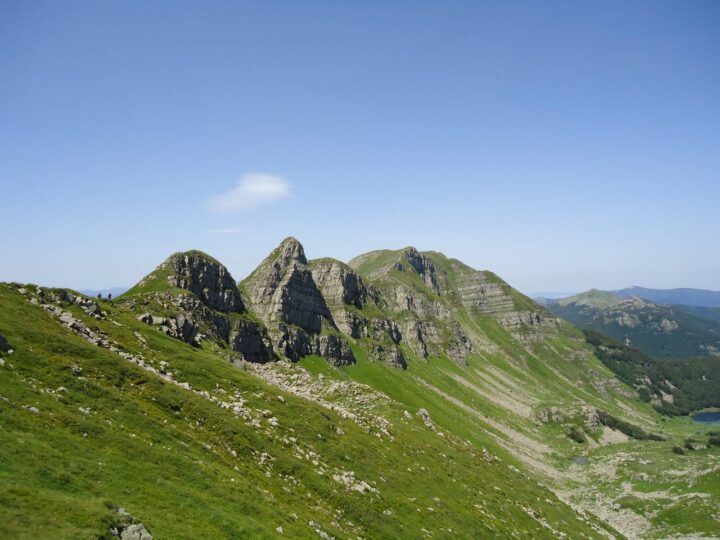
{"x":252,"y":190}
{"x":227,"y":230}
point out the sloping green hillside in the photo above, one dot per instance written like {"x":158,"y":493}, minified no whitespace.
{"x":429,"y":400}
{"x":219,"y":453}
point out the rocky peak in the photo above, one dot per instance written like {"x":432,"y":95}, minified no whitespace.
{"x":290,"y":250}
{"x":207,"y":279}
{"x":282,"y":289}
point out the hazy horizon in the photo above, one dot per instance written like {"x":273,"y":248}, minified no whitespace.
{"x":564,"y":147}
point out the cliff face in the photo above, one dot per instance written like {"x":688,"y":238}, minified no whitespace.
{"x":283,"y":293}
{"x":207,"y":279}
{"x":282,"y":290}
{"x":359,"y":311}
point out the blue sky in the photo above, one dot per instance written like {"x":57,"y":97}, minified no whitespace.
{"x":563,"y":145}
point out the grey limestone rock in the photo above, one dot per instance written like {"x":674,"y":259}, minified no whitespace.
{"x":282,"y":290}
{"x":207,"y":279}
{"x":251,"y":341}
{"x":390,"y":355}
{"x":136,"y":531}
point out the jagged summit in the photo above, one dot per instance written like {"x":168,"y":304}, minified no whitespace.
{"x":291,"y":249}
{"x":282,"y":289}
{"x":282,"y":292}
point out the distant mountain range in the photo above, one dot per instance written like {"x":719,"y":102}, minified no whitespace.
{"x":688,"y":297}
{"x":661,"y":330}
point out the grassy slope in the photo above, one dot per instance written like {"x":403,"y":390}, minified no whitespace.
{"x":561,"y":370}
{"x":166,"y":454}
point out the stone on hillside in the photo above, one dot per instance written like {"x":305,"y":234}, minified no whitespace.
{"x":136,"y":531}
{"x":180,"y":327}
{"x":207,"y":279}
{"x":5,"y":347}
{"x":425,"y":415}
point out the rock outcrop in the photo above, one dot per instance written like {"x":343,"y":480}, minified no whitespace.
{"x":207,"y":279}
{"x":483,"y":293}
{"x":339,"y":284}
{"x":283,"y":293}
{"x":213,"y":310}
{"x":181,"y":326}
{"x":250,"y":340}
{"x":282,"y":289}
{"x":347,"y":295}
{"x":423,"y":266}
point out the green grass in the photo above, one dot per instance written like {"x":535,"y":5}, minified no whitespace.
{"x":187,"y":468}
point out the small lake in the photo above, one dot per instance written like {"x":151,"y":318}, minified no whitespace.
{"x":580,"y":460}
{"x":707,"y":417}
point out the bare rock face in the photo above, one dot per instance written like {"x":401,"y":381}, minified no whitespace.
{"x":335,"y":349}
{"x":346,"y":294}
{"x":283,"y":292}
{"x":282,"y":289}
{"x":294,"y":343}
{"x":423,"y":266}
{"x":207,"y":279}
{"x":339,"y":284}
{"x":251,"y":341}
{"x":479,"y":293}
{"x":390,"y":355}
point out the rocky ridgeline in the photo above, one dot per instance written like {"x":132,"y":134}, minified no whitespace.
{"x":290,"y":307}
